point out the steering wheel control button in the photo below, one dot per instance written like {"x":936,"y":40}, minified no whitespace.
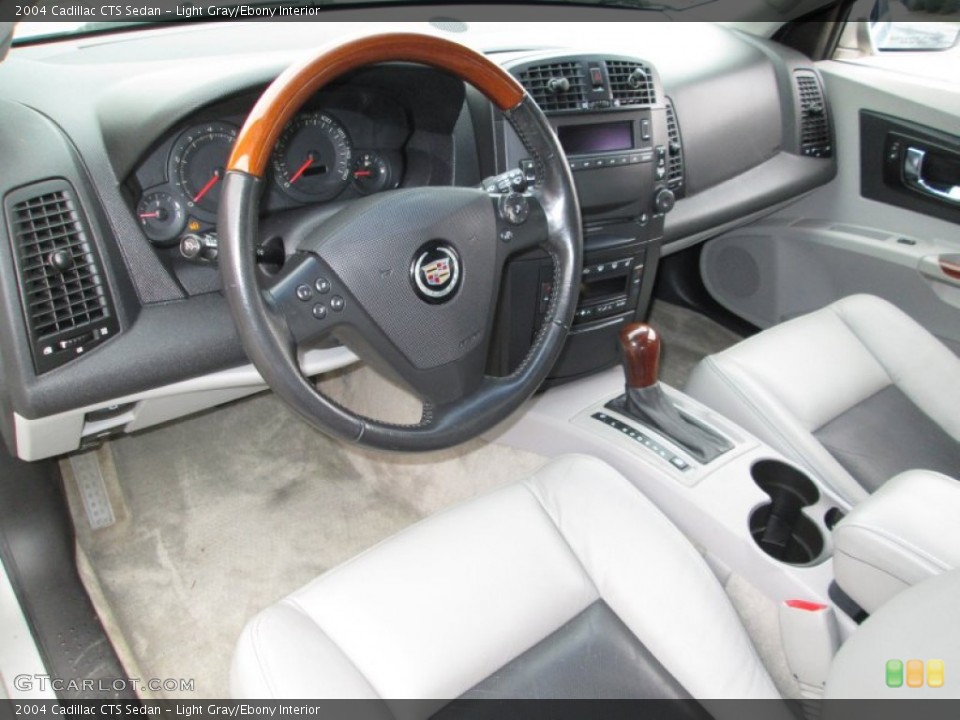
{"x":319,"y":311}
{"x":337,"y":303}
{"x":322,"y":286}
{"x":305,"y":293}
{"x":514,"y":208}
{"x":506,"y":236}
{"x":435,"y":272}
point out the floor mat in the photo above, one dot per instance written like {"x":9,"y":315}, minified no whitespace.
{"x":223,"y":514}
{"x":687,"y":337}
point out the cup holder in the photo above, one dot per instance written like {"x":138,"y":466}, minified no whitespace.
{"x":779,"y":527}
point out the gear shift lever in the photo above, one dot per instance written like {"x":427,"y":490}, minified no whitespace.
{"x":646,"y":402}
{"x":641,"y":355}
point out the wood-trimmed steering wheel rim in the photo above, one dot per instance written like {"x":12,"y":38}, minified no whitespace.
{"x":275,"y":108}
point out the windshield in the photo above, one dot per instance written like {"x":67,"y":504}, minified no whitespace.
{"x":111,"y":18}
{"x":29,"y":31}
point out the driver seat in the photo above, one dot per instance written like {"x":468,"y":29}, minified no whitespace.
{"x":568,"y":584}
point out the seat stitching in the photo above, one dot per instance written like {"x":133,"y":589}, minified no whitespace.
{"x":836,"y":311}
{"x":255,"y":642}
{"x":888,"y":370}
{"x":553,"y":523}
{"x":727,"y":380}
{"x":292,"y":602}
{"x":896,"y":540}
{"x":800,"y":456}
{"x":882,"y":571}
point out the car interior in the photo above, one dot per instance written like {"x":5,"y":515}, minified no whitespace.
{"x":401,"y":356}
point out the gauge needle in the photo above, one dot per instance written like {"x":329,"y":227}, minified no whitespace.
{"x":147,"y":216}
{"x":362,"y":173}
{"x":303,"y":168}
{"x":206,"y":188}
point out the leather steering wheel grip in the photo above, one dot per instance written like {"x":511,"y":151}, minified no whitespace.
{"x":270,"y":345}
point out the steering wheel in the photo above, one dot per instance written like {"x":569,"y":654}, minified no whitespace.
{"x":408,"y":279}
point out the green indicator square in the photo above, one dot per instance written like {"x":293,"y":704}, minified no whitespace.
{"x":894,"y":673}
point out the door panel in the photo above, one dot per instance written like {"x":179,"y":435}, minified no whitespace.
{"x":898,"y":244}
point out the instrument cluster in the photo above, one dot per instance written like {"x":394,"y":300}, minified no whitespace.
{"x":318,"y":158}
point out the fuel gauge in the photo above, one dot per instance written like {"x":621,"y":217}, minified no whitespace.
{"x":161,"y":216}
{"x":371,"y":173}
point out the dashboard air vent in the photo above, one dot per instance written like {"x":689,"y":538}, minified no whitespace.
{"x":674,"y":150}
{"x":631,"y":83}
{"x":555,"y":86}
{"x":64,"y":296}
{"x":814,"y":125}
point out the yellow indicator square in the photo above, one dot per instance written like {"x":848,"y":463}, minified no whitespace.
{"x":914,"y":673}
{"x":935,"y":673}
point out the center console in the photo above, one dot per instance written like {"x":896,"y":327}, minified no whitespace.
{"x":611,"y":117}
{"x":750,"y":510}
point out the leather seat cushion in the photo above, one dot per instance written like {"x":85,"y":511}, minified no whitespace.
{"x":498,"y":596}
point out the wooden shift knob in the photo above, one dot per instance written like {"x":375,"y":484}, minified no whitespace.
{"x":640,"y":345}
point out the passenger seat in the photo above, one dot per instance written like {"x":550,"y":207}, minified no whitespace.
{"x":857,"y":392}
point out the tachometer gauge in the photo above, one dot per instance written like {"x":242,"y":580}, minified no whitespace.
{"x":161,"y":216}
{"x":312,"y":158}
{"x":370,"y":173}
{"x":199,"y":161}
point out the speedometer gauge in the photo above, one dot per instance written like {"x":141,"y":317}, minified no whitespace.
{"x":312,"y":158}
{"x":198,"y":163}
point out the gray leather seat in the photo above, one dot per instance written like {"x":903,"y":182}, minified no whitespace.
{"x":857,"y":392}
{"x":567,"y":584}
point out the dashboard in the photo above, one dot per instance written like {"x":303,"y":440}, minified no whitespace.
{"x":673,"y":134}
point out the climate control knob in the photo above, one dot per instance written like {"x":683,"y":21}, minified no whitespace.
{"x":664,"y":201}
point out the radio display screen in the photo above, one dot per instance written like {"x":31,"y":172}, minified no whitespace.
{"x":605,"y":137}
{"x":603,"y":288}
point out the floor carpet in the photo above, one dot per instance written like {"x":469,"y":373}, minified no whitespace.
{"x":687,"y":337}
{"x":223,"y":514}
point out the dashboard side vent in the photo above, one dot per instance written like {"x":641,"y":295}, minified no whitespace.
{"x":815,"y":138}
{"x":674,"y":150}
{"x":555,"y":86}
{"x":63,"y":292}
{"x":631,"y":83}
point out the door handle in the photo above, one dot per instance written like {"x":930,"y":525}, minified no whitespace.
{"x":941,"y":268}
{"x":913,"y":176}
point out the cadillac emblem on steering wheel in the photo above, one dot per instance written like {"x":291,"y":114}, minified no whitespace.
{"x":435,"y":272}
